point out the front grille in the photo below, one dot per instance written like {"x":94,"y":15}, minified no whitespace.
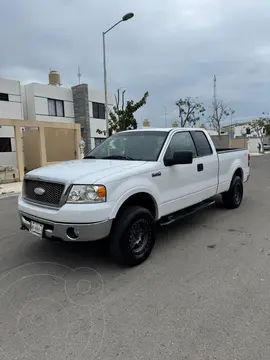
{"x":52,"y":195}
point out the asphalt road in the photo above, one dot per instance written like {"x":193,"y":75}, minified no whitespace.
{"x":203,"y":294}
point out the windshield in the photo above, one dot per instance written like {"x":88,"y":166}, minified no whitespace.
{"x":137,"y":145}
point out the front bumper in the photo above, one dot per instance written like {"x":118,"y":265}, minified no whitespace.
{"x":63,"y":231}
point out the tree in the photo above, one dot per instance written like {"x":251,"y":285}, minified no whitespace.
{"x":261,"y":126}
{"x":220,"y":112}
{"x":190,"y":111}
{"x":122,"y":117}
{"x":266,"y":119}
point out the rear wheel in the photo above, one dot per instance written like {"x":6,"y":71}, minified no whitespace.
{"x":133,"y":236}
{"x":233,"y":197}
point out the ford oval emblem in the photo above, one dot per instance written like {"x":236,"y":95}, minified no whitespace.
{"x":39,"y":191}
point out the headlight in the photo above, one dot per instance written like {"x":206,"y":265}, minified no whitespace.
{"x":87,"y":194}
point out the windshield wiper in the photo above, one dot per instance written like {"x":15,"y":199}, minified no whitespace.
{"x":89,"y":157}
{"x":118,"y":157}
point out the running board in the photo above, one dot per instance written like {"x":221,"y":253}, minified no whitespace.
{"x":170,"y":219}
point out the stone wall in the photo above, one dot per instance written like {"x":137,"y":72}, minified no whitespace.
{"x":222,"y":141}
{"x":81,"y":112}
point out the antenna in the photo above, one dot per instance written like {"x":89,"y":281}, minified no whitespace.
{"x":215,"y":110}
{"x":79,"y":74}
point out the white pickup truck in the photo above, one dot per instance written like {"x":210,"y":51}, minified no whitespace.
{"x":127,"y":185}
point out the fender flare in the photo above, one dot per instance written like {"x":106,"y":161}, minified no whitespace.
{"x":125,"y":196}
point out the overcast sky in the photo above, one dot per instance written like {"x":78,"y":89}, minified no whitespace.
{"x":172,"y":48}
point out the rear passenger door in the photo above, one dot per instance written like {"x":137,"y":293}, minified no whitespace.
{"x":207,"y":166}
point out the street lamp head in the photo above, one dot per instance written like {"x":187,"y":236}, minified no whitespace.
{"x":127,"y":16}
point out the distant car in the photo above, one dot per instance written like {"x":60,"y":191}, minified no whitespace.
{"x":266,"y":147}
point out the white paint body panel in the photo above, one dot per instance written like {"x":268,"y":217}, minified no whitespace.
{"x":178,"y":186}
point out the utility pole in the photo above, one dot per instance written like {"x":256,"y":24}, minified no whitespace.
{"x":165,"y":115}
{"x":124,"y":18}
{"x":215,"y":91}
{"x":79,"y":74}
{"x":215,"y":107}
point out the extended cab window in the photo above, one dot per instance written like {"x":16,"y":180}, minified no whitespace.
{"x":181,"y":141}
{"x":202,"y":144}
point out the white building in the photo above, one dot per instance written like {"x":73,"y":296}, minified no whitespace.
{"x":97,"y":115}
{"x":211,"y":132}
{"x":58,"y":104}
{"x":11,"y":107}
{"x":244,"y":130}
{"x":48,"y":103}
{"x":53,"y":103}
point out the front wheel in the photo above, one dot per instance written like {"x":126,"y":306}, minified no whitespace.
{"x":133,"y":236}
{"x":233,"y":197}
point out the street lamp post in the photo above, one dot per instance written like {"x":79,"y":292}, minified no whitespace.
{"x":124,"y":18}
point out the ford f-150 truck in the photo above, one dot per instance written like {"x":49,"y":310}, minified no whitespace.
{"x":129,"y":184}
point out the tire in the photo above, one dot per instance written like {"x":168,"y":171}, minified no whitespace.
{"x":232,"y":199}
{"x":133,"y":236}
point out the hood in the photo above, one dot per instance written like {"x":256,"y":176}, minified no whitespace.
{"x":83,"y":171}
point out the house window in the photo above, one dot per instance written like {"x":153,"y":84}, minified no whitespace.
{"x":248,"y":132}
{"x":4,"y":97}
{"x":98,"y":141}
{"x":5,"y":145}
{"x":98,"y":110}
{"x":56,"y":107}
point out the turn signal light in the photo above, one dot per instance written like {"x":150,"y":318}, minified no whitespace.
{"x":101,"y":192}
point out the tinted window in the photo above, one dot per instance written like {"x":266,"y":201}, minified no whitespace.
{"x":98,"y":110}
{"x":134,"y":145}
{"x":181,"y":141}
{"x":56,"y":107}
{"x":4,"y":97}
{"x":202,"y":144}
{"x":5,"y":145}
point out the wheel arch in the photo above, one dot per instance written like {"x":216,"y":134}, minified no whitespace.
{"x":238,"y":172}
{"x":142,"y":198}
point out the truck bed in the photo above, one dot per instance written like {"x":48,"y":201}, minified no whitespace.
{"x":223,"y":150}
{"x":228,"y":160}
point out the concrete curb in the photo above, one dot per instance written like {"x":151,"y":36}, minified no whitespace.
{"x":11,"y":189}
{"x":8,"y":195}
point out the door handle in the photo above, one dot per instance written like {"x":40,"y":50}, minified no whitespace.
{"x":200,"y":167}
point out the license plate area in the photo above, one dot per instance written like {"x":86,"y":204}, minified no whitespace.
{"x":36,"y":228}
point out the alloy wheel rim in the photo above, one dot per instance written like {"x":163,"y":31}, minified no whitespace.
{"x":139,"y":236}
{"x":237,"y":194}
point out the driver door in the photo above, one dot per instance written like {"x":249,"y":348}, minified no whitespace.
{"x":181,"y":185}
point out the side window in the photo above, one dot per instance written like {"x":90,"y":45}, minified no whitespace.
{"x":181,"y":141}
{"x":202,"y":144}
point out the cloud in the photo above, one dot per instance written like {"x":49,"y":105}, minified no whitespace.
{"x":171,"y":48}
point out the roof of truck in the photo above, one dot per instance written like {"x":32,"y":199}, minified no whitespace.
{"x":165,"y":129}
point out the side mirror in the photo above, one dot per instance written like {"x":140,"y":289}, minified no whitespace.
{"x":179,"y":158}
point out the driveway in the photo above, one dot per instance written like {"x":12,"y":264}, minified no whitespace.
{"x":203,"y":294}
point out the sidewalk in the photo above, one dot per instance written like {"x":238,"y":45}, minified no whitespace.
{"x":260,"y":154}
{"x":10,"y":189}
